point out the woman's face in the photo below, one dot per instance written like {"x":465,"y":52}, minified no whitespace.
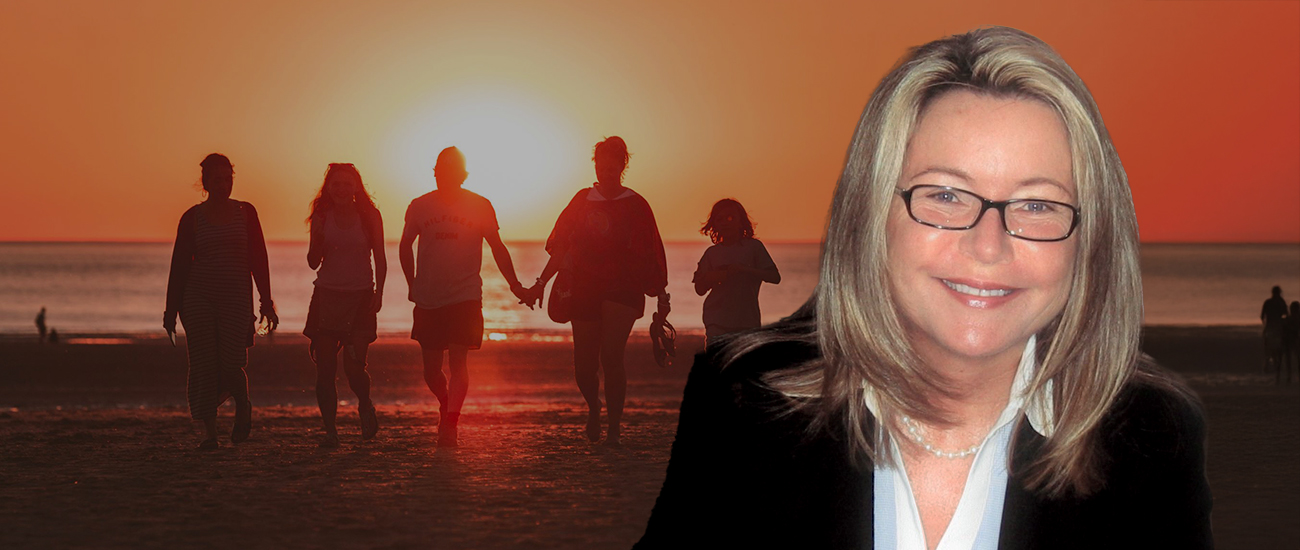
{"x":979,"y":294}
{"x":341,"y":189}
{"x":727,"y":222}
{"x":218,"y":184}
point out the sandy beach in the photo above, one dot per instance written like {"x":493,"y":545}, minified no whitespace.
{"x":96,"y":449}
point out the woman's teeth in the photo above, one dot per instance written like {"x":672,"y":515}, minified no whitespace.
{"x":976,"y":291}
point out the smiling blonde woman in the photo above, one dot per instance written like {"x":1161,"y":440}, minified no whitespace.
{"x":967,"y":374}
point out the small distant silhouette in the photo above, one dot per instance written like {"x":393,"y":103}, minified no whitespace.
{"x":40,"y":323}
{"x":1273,"y":315}
{"x":54,"y":336}
{"x":731,"y":271}
{"x":1291,"y":337}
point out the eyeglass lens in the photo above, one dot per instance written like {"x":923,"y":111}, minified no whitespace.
{"x":949,"y":208}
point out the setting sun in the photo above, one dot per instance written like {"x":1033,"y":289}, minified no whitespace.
{"x":520,"y":152}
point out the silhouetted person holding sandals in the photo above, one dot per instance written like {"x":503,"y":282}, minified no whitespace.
{"x":219,"y":254}
{"x":451,"y":224}
{"x":1273,"y":315}
{"x":346,"y":232}
{"x":608,"y":241}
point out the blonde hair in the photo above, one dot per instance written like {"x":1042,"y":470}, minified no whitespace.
{"x":1089,"y":351}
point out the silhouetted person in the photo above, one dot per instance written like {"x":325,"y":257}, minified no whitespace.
{"x":346,"y":232}
{"x":218,"y":255}
{"x":451,"y":224}
{"x":40,"y":323}
{"x":1273,"y":315}
{"x":54,"y":336}
{"x":608,"y":241}
{"x":731,"y":271}
{"x":1291,"y":338}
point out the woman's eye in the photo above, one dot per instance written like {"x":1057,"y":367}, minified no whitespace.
{"x":943,"y":196}
{"x":1037,"y":207}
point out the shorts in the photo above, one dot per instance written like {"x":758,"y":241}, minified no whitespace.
{"x":342,"y":315}
{"x":587,"y":305}
{"x":439,"y":328}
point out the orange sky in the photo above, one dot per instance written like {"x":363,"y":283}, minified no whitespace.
{"x":109,"y":106}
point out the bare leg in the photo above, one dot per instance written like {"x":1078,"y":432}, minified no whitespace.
{"x":433,"y":376}
{"x":354,"y":366}
{"x":586,"y":366}
{"x":458,"y":364}
{"x":325,"y":352}
{"x":616,"y":326}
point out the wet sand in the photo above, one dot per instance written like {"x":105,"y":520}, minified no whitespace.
{"x":96,"y":450}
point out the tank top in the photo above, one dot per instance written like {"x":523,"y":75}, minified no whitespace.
{"x":346,"y":264}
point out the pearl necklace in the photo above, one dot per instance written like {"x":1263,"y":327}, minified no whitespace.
{"x":914,"y":432}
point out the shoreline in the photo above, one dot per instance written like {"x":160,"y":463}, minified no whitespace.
{"x":99,"y":448}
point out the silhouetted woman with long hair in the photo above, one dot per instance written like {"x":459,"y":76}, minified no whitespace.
{"x":219,"y":254}
{"x":607,"y":238}
{"x":346,"y":232}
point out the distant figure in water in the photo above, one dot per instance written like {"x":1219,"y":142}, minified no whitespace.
{"x":54,"y":336}
{"x":731,"y":271}
{"x":1273,"y":315}
{"x":1291,"y":337}
{"x":219,"y":244}
{"x":346,"y":232}
{"x":451,"y":224}
{"x":607,"y":241}
{"x":40,"y":323}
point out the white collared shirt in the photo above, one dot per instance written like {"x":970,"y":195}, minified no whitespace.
{"x":977,"y":521}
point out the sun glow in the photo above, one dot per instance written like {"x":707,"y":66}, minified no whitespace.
{"x":520,"y":153}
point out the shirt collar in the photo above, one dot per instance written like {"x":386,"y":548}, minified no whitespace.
{"x":1037,"y":407}
{"x":594,"y":194}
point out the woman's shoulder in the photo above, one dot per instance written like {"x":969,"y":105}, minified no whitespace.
{"x":1155,"y":415}
{"x":736,"y":364}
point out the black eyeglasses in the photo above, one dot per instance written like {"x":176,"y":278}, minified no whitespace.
{"x":944,"y":207}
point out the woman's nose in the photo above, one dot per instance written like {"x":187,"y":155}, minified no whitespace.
{"x":988,"y":242}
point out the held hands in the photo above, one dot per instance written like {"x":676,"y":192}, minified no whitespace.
{"x":526,"y":296}
{"x":377,"y":302}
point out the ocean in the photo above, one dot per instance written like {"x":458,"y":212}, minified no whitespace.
{"x":101,"y":288}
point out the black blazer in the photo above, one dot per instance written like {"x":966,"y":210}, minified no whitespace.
{"x":741,"y":476}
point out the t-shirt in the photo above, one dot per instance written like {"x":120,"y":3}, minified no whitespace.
{"x":734,"y":303}
{"x":451,"y":225}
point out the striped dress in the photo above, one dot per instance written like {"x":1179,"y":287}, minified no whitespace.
{"x":217,"y":311}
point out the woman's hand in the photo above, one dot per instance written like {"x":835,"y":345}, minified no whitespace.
{"x":169,"y":322}
{"x":269,"y":317}
{"x":377,"y":302}
{"x":525,"y":295}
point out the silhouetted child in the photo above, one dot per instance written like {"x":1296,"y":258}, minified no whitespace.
{"x":54,"y":336}
{"x":731,"y":271}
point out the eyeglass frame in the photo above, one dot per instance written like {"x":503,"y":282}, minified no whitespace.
{"x":985,"y":206}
